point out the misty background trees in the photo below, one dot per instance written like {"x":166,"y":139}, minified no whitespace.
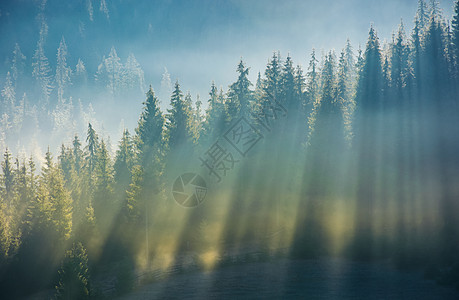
{"x":363,"y":163}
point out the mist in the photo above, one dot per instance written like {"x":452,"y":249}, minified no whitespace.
{"x":150,"y":143}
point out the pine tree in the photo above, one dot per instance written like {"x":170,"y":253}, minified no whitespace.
{"x":197,"y":119}
{"x":55,"y":208}
{"x":434,"y":59}
{"x":103,"y":170}
{"x":345,"y":89}
{"x":149,"y":133}
{"x":370,"y":81}
{"x":66,"y":164}
{"x":300,"y":85}
{"x":399,"y":63}
{"x":416,"y":53}
{"x":312,"y":86}
{"x":17,"y":64}
{"x":271,"y":87}
{"x":178,"y":127}
{"x":74,"y":275}
{"x":41,"y":69}
{"x":215,"y":116}
{"x":455,"y":38}
{"x":368,"y":131}
{"x":63,"y":72}
{"x":133,"y":74}
{"x":92,"y":149}
{"x":135,"y":195}
{"x":124,"y":161}
{"x":386,"y":77}
{"x":287,"y":82}
{"x":109,"y":72}
{"x":146,"y":176}
{"x":104,"y":206}
{"x":77,"y":155}
{"x":22,"y":187}
{"x":8,"y":178}
{"x":329,"y":103}
{"x":239,"y":95}
{"x":422,"y":16}
{"x":8,"y":104}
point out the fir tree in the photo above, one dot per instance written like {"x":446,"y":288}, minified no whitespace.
{"x":92,"y":149}
{"x":149,"y":134}
{"x":287,"y":82}
{"x":455,"y":38}
{"x":399,"y":63}
{"x":239,"y":95}
{"x":8,"y":104}
{"x":41,"y":69}
{"x":178,"y":127}
{"x":370,"y":81}
{"x":77,"y":155}
{"x":8,"y":178}
{"x":74,"y":275}
{"x":63,"y":72}
{"x":124,"y":161}
{"x":215,"y":116}
{"x":17,"y":64}
{"x":312,"y":79}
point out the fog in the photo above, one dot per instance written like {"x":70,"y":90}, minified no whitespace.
{"x":355,"y":152}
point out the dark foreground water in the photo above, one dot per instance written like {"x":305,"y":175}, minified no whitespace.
{"x":298,"y":279}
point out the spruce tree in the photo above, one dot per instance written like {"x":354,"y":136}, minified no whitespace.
{"x":124,"y":161}
{"x":92,"y":149}
{"x":8,"y":103}
{"x":63,"y":72}
{"x":312,"y":85}
{"x":74,"y":275}
{"x":215,"y":117}
{"x":149,"y":139}
{"x":455,"y":39}
{"x":239,"y":95}
{"x":399,"y":64}
{"x":287,"y":81}
{"x":8,"y":178}
{"x":178,"y":126}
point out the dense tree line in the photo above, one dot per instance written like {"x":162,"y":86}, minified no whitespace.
{"x":42,"y":94}
{"x":377,"y":128}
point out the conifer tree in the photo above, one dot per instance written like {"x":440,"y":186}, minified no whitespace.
{"x":239,"y":95}
{"x":92,"y":148}
{"x":8,"y":178}
{"x":63,"y":72}
{"x":399,"y":63}
{"x":370,"y":81}
{"x":422,"y":16}
{"x":455,"y":39}
{"x":17,"y":64}
{"x":124,"y":161}
{"x":149,"y":138}
{"x":77,"y":155}
{"x":215,"y":116}
{"x":272,"y":84}
{"x":312,"y":85}
{"x":74,"y":275}
{"x":103,"y":204}
{"x":9,"y":96}
{"x":41,"y":69}
{"x":178,"y":127}
{"x":287,"y":81}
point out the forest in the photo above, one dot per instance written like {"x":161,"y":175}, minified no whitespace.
{"x":356,"y":156}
